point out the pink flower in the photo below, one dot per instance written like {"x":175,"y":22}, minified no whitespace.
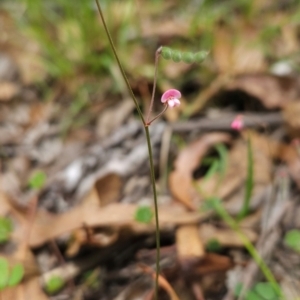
{"x":172,"y":97}
{"x":237,"y":123}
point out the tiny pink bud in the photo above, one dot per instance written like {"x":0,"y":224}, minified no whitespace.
{"x":171,"y":97}
{"x":237,"y":123}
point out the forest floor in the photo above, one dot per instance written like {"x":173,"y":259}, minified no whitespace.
{"x":76,"y":203}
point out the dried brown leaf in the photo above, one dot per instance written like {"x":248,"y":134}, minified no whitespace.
{"x":190,"y":248}
{"x":291,"y":113}
{"x":213,"y":263}
{"x":236,"y":54}
{"x":273,"y":91}
{"x":8,"y":90}
{"x":180,"y":180}
{"x":109,"y":188}
{"x":236,"y":171}
{"x":110,"y":216}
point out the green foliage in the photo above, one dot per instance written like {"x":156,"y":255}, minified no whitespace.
{"x":54,"y":284}
{"x":144,"y":214}
{"x":212,"y":203}
{"x":187,"y":57}
{"x":10,"y":278}
{"x":249,"y":182}
{"x":292,"y":239}
{"x":216,"y":165}
{"x":216,"y":204}
{"x":37,"y":180}
{"x":261,"y":291}
{"x":5,"y":229}
{"x":4,"y":273}
{"x":213,"y":245}
{"x":265,"y":290}
{"x":69,"y":34}
{"x":91,"y":278}
{"x":16,"y":274}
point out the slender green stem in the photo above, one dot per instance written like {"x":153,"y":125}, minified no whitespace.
{"x":162,"y":112}
{"x":248,"y":245}
{"x":157,"y":54}
{"x":119,"y":63}
{"x":157,"y":233}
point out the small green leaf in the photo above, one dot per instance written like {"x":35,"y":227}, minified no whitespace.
{"x":166,"y":53}
{"x":37,"y":180}
{"x":5,"y":229}
{"x":265,"y":290}
{"x":251,"y":295}
{"x":213,"y":245}
{"x":144,"y":214}
{"x":54,"y":284}
{"x":4,"y":270}
{"x":292,"y":239}
{"x":200,"y":56}
{"x":176,"y":56}
{"x":16,"y":275}
{"x":188,"y":57}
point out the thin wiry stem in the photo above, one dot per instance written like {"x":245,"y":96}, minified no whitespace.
{"x":119,"y":63}
{"x":157,"y":54}
{"x":163,"y":111}
{"x":157,"y":232}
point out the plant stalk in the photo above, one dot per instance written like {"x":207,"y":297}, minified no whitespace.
{"x":157,"y":232}
{"x":157,"y":54}
{"x":119,"y":62}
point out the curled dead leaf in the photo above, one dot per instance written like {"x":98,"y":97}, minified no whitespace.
{"x":180,"y":180}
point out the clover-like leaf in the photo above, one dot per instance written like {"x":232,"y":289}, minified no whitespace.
{"x":144,"y":214}
{"x":292,"y":239}
{"x":37,"y":180}
{"x":16,"y":275}
{"x":4,"y":273}
{"x":54,"y":284}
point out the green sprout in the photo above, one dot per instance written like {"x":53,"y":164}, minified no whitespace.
{"x":5,"y":229}
{"x":54,"y":284}
{"x":37,"y":180}
{"x":144,"y":214}
{"x":10,"y":278}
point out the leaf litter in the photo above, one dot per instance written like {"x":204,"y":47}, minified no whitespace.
{"x":92,"y":151}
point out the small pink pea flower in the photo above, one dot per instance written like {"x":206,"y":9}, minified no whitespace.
{"x":237,"y":123}
{"x":172,"y":97}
